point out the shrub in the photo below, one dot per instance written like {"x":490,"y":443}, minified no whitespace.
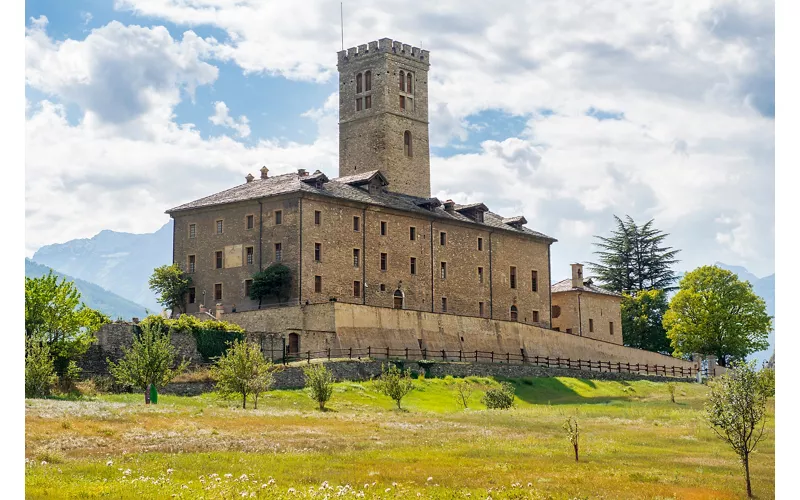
{"x":671,"y":390}
{"x":212,"y":337}
{"x":319,"y":382}
{"x":500,"y":398}
{"x":463,"y":391}
{"x":243,"y":370}
{"x":39,"y":372}
{"x":395,"y":383}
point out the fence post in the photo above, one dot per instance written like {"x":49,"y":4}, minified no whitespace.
{"x":647,"y":369}
{"x":329,"y":353}
{"x":629,"y":366}
{"x":406,"y":352}
{"x":350,"y":353}
{"x":536,"y":360}
{"x":476,"y":355}
{"x":673,"y":370}
{"x":569,"y":363}
{"x":387,"y":352}
{"x":508,"y":357}
{"x":369,"y":351}
{"x":424,"y":353}
{"x":308,"y":354}
{"x":492,"y":356}
{"x":619,"y":367}
{"x":459,"y":355}
{"x":558,"y":361}
{"x":443,"y":355}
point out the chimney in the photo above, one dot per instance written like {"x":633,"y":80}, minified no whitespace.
{"x":264,"y":172}
{"x":301,"y":172}
{"x":577,"y":275}
{"x":249,"y":178}
{"x":449,"y":206}
{"x":220,"y":311}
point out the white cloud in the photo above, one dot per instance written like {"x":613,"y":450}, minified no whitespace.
{"x":222,"y":118}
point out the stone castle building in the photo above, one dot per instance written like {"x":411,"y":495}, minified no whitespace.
{"x":373,"y":235}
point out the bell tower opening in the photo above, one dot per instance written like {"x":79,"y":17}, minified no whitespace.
{"x":383,"y":114}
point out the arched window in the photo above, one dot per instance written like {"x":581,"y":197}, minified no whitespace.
{"x":402,"y":81}
{"x":358,"y":83}
{"x":513,"y":313}
{"x":408,"y":84}
{"x":367,"y":81}
{"x":398,"y":299}
{"x":407,"y":148}
{"x":556,"y":311}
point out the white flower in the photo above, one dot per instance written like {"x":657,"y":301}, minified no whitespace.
{"x":263,"y":486}
{"x":126,"y":472}
{"x":271,"y":481}
{"x":244,"y":494}
{"x":184,"y":487}
{"x":290,"y":490}
{"x":228,"y":475}
{"x":430,"y":478}
{"x":366,"y":485}
{"x":109,"y":463}
{"x":243,"y":477}
{"x":387,"y":490}
{"x":44,"y":462}
{"x":170,"y":471}
{"x":394,"y":484}
{"x":530,"y":485}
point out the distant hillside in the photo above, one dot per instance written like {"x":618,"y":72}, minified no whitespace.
{"x":119,"y":262}
{"x":764,"y":288}
{"x":94,"y":296}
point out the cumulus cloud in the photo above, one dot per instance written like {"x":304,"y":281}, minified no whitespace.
{"x":222,"y":118}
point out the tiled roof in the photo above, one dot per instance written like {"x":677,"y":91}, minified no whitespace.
{"x":566,"y":286}
{"x":361,"y":178}
{"x":341,"y":188}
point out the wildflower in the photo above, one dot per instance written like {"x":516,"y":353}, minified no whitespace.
{"x":290,"y":490}
{"x":263,"y":486}
{"x":243,"y":494}
{"x":366,"y":485}
{"x":394,"y":485}
{"x":126,"y":472}
{"x":184,"y":487}
{"x":214,"y":475}
{"x":387,"y":490}
{"x":430,"y":478}
{"x":243,"y":477}
{"x":170,"y":471}
{"x":228,"y":475}
{"x":271,"y":481}
{"x":109,"y":463}
{"x":44,"y":462}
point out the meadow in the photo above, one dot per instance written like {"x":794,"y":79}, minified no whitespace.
{"x":634,"y":443}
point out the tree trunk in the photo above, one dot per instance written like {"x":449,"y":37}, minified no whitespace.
{"x":255,"y":402}
{"x":244,"y":401}
{"x":576,"y":451}
{"x":147,"y":395}
{"x":747,"y":475}
{"x":398,"y":405}
{"x":322,"y":406}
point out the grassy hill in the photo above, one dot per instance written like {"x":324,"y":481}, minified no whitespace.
{"x":94,"y":296}
{"x":634,"y":444}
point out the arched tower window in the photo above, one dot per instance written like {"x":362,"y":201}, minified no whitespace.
{"x":408,"y":84}
{"x":358,"y":83}
{"x":367,"y":81}
{"x":402,"y":81}
{"x":513,"y":313}
{"x":407,"y":146}
{"x":398,"y":299}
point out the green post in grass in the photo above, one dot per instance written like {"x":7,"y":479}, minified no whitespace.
{"x":153,"y":394}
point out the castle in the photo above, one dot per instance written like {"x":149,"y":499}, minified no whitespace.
{"x":374,"y":236}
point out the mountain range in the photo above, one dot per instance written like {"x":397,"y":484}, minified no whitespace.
{"x":123,"y":262}
{"x":92,"y":295}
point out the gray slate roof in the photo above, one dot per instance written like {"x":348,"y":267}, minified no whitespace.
{"x":340,"y":188}
{"x":566,"y":286}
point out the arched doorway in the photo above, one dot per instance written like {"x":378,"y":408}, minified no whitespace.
{"x":399,"y":299}
{"x":294,"y":343}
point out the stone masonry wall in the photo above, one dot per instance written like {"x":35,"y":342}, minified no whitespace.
{"x":600,"y":309}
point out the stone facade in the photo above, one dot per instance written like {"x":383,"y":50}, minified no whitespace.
{"x":373,"y":137}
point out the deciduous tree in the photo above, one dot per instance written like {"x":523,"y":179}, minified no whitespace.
{"x":319,"y":382}
{"x":716,"y":313}
{"x":395,"y":383}
{"x":642,"y":320}
{"x":274,"y":281}
{"x":171,"y":284}
{"x":39,"y":372}
{"x":243,"y":371}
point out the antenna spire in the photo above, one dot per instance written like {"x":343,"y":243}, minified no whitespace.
{"x":341,"y":14}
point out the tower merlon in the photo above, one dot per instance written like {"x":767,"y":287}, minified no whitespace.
{"x":384,"y":45}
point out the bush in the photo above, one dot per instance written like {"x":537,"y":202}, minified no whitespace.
{"x":212,"y":337}
{"x":671,"y":389}
{"x":39,"y":372}
{"x":243,"y":370}
{"x":395,"y":383}
{"x":319,"y":382}
{"x":501,"y":398}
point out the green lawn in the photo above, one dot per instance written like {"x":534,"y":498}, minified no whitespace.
{"x":635,"y":443}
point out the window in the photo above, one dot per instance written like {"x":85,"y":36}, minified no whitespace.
{"x":192,"y":231}
{"x":218,"y":291}
{"x":317,"y":252}
{"x":278,"y":217}
{"x":356,"y":223}
{"x":248,"y":284}
{"x":513,"y":277}
{"x":412,"y":233}
{"x":611,"y":327}
{"x":356,"y":289}
{"x":317,"y":217}
{"x":413,"y":265}
{"x":402,"y":102}
{"x":443,"y":238}
{"x":383,"y":228}
{"x":534,"y":281}
{"x":480,"y":275}
{"x":480,"y":244}
{"x":535,"y":316}
{"x":249,"y":254}
{"x":368,"y":102}
{"x":480,"y":309}
{"x":407,"y":146}
{"x":277,"y":252}
{"x":556,"y":311}
{"x":383,"y":287}
{"x":192,"y":295}
{"x":444,"y":304}
{"x":513,"y":313}
{"x":251,"y":222}
{"x":317,"y":284}
{"x":408,"y":83}
{"x":384,"y":258}
{"x":358,"y":104}
{"x":591,"y":325}
{"x":356,"y":255}
{"x":398,"y":299}
{"x":368,"y":81}
{"x":402,"y":81}
{"x":219,"y":227}
{"x":192,"y":262}
{"x":444,"y":270}
{"x":359,"y":87}
{"x":218,"y":260}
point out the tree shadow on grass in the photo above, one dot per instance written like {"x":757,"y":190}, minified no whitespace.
{"x":551,"y":390}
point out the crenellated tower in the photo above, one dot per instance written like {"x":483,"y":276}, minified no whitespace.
{"x":383,"y":114}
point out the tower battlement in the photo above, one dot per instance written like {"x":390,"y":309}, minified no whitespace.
{"x":383,"y":46}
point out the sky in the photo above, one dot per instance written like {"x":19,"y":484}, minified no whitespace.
{"x":565,"y":112}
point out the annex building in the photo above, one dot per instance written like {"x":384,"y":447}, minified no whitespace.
{"x":375,"y":260}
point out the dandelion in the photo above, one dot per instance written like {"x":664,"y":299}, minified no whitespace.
{"x":109,"y":463}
